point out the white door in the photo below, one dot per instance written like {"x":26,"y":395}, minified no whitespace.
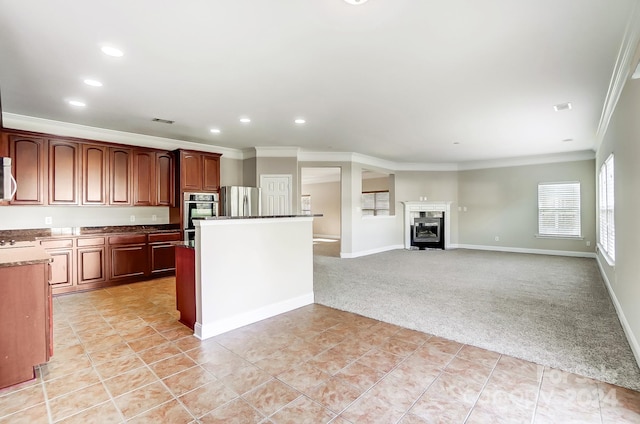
{"x":276,"y":194}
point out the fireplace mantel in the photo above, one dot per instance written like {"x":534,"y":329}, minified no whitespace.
{"x":427,"y":206}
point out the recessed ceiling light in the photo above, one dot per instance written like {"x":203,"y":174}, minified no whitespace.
{"x":93,"y":83}
{"x":356,"y":2}
{"x":300,"y":121}
{"x":456,"y":142}
{"x":245,"y":120}
{"x":562,"y":106}
{"x":567,"y":139}
{"x":112,"y":51}
{"x":77,"y":103}
{"x":215,"y":130}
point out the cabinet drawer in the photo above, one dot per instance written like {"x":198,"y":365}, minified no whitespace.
{"x":57,"y":243}
{"x":154,"y":238}
{"x":94,"y":241}
{"x":128,"y":239}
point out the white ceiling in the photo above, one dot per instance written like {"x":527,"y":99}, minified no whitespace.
{"x":401,"y":80}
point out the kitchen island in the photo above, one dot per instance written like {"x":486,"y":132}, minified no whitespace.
{"x":249,"y":269}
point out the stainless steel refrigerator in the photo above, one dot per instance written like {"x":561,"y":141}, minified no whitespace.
{"x":240,"y":201}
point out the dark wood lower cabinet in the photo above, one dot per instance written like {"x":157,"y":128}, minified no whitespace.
{"x":91,"y":262}
{"x":186,"y":285}
{"x":25,"y":321}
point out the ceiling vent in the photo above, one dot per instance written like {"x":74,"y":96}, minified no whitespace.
{"x":163,"y":121}
{"x":562,"y":106}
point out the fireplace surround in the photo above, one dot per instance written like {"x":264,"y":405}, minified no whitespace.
{"x":432,"y":219}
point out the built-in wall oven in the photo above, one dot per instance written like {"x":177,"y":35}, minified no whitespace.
{"x":197,"y":205}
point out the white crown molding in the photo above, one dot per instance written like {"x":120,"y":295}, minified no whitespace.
{"x":48,"y":126}
{"x":621,"y":71}
{"x":528,"y":160}
{"x":277,"y":152}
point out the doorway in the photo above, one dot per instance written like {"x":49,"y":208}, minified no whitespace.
{"x":320,"y":189}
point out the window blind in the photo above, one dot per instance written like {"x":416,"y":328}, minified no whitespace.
{"x":559,"y":209}
{"x":607,"y":236}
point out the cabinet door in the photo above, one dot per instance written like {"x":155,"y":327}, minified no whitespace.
{"x":144,"y":170}
{"x":64,"y":172}
{"x":165,"y":182}
{"x":190,"y":171}
{"x":61,"y":268}
{"x":128,"y":261}
{"x":120,"y":169}
{"x":163,"y":258}
{"x":91,"y":262}
{"x":28,"y":165}
{"x":95,"y":163}
{"x":210,"y":172}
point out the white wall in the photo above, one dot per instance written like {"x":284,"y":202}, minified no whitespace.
{"x":24,"y":217}
{"x":623,"y":140}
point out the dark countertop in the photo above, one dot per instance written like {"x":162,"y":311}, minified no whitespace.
{"x":214,"y":218}
{"x":23,"y":253}
{"x":40,"y":233}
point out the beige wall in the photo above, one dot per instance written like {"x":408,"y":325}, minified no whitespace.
{"x":231,"y":171}
{"x":325,"y":199}
{"x":503,"y":202}
{"x":249,"y":173}
{"x":375,"y":184}
{"x":623,"y":140}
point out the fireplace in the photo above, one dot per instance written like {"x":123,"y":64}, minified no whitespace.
{"x":427,"y":225}
{"x":427,"y":231}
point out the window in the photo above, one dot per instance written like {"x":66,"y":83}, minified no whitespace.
{"x":375,"y":203}
{"x":559,"y":209}
{"x":607,"y":238}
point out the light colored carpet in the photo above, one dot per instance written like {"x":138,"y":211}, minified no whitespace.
{"x":551,"y":310}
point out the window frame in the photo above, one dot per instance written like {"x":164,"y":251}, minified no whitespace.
{"x":560,"y":210}
{"x":606,"y":210}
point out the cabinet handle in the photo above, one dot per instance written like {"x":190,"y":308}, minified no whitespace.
{"x":15,"y":187}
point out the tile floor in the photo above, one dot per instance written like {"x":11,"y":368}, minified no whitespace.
{"x":121,"y":356}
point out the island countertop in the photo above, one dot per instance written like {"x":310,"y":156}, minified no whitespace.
{"x":217,"y":218}
{"x":23,"y":253}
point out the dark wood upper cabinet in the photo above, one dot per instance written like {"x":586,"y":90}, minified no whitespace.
{"x":95,"y":163}
{"x":210,"y":172}
{"x":64,"y":172}
{"x":28,"y":164}
{"x":190,"y":171}
{"x":165,"y":180}
{"x":144,"y":181}
{"x":120,"y":172}
{"x":199,"y":171}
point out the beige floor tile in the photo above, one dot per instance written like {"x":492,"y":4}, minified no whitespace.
{"x":14,"y":401}
{"x":142,"y":399}
{"x":187,"y":380}
{"x":104,"y":413}
{"x":303,"y":410}
{"x":72,"y":382}
{"x":75,"y":402}
{"x":129,"y":381}
{"x":118,"y":366}
{"x":36,"y":414}
{"x":271,"y":396}
{"x":235,"y":412}
{"x":304,"y":377}
{"x":206,"y":398}
{"x":172,"y":365}
{"x":370,"y":409}
{"x":334,"y":394}
{"x":170,"y":412}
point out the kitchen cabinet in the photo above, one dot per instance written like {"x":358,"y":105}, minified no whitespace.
{"x":186,"y":285}
{"x":128,"y":256}
{"x":120,"y":172}
{"x":144,"y":178}
{"x":199,"y":171}
{"x":62,"y":265}
{"x":162,"y":252}
{"x":91,"y":254}
{"x":28,"y":166}
{"x":25,"y":321}
{"x":95,"y":164}
{"x":64,"y":172}
{"x":165,"y":180}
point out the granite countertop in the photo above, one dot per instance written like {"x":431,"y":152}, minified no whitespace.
{"x":40,"y":233}
{"x":213,"y":218}
{"x":23,"y":253}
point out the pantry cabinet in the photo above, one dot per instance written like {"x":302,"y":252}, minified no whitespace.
{"x":120,"y":173}
{"x":64,"y":172}
{"x":95,"y":165}
{"x":28,"y":166}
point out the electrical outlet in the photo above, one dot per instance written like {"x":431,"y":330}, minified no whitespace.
{"x":497,"y":238}
{"x":588,"y":243}
{"x":154,"y":218}
{"x":132,"y":218}
{"x":48,"y":220}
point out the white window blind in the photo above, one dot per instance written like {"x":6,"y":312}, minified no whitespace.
{"x":607,"y":236}
{"x":559,"y":209}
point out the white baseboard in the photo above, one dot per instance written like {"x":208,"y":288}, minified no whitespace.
{"x":633,"y":342}
{"x":371,"y":252}
{"x":524,"y":250}
{"x":327,"y":236}
{"x":211,"y":329}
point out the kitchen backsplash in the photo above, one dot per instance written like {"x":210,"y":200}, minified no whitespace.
{"x":25,"y":217}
